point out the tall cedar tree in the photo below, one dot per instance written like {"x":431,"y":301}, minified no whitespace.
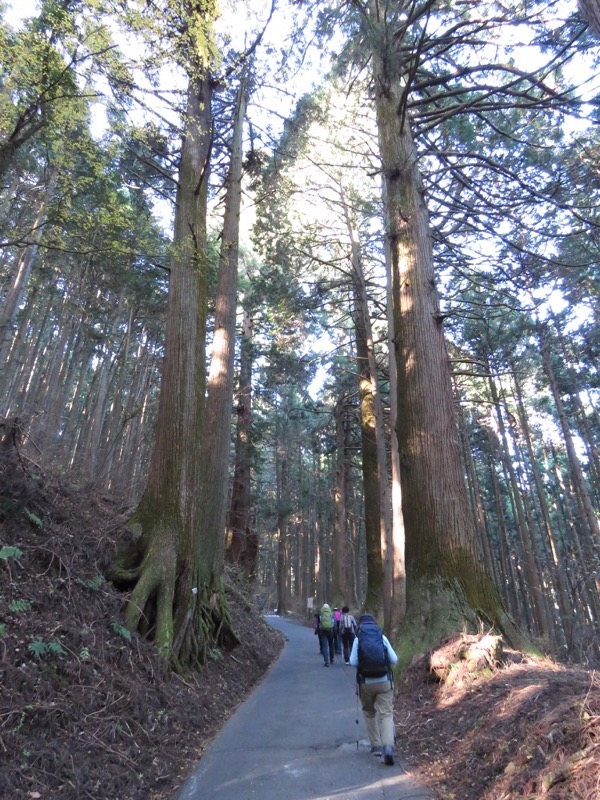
{"x":174,"y":566}
{"x":446,"y":578}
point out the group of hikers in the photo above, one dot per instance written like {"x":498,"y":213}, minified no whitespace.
{"x":336,"y":629}
{"x":364,"y":646}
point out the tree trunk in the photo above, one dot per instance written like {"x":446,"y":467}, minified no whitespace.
{"x":590,"y":9}
{"x":16,"y":290}
{"x":398,"y":609}
{"x":513,"y":594}
{"x":175,"y":569}
{"x":116,"y":418}
{"x":239,"y":515}
{"x":525,"y":534}
{"x":477,"y":508}
{"x":445,"y":574}
{"x":370,"y":476}
{"x":339,"y":545}
{"x":135,"y":450}
{"x":589,"y":516}
{"x":584,"y":599}
{"x":214,"y":454}
{"x":282,"y":468}
{"x":364,"y":336}
{"x":27,"y":124}
{"x":556,"y":567}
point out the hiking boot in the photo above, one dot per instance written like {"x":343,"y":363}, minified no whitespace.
{"x":376,"y":751}
{"x":388,"y":755}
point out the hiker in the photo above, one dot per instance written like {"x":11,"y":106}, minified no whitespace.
{"x":315,"y":624}
{"x":348,"y":628}
{"x":337,"y":631}
{"x":325,"y":631}
{"x":373,"y":656}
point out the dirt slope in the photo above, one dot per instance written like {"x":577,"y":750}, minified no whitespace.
{"x":520,"y":729}
{"x":86,"y":710}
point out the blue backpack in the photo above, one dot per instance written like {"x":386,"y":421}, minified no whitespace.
{"x":373,"y":661}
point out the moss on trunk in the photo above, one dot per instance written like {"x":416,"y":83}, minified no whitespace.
{"x":175,"y":600}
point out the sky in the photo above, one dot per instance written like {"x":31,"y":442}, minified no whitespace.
{"x":18,"y":10}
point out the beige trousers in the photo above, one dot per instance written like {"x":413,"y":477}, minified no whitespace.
{"x":377,"y":700}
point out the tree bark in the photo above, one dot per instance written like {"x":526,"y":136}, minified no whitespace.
{"x":590,"y":10}
{"x":370,"y":478}
{"x":369,"y":372}
{"x":282,"y":468}
{"x":398,"y":608}
{"x":339,"y":545}
{"x":216,"y":437}
{"x":239,"y":515}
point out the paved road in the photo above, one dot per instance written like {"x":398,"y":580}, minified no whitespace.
{"x":296,"y":738}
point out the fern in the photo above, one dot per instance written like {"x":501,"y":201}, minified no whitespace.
{"x":34,"y":518}
{"x":92,"y":583}
{"x":20,"y":605}
{"x":10,"y":552}
{"x":38,"y":648}
{"x":57,"y":648}
{"x":118,"y":628}
{"x":84,"y":654}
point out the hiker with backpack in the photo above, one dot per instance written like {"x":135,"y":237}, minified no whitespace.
{"x":325,"y":631}
{"x":373,"y":656}
{"x":315,"y":624}
{"x":348,"y":628}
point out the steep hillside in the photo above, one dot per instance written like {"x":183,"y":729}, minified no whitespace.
{"x":500,"y":729}
{"x":86,"y":709}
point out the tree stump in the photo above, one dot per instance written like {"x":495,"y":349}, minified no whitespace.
{"x":463,"y":657}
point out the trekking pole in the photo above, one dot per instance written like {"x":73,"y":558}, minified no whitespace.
{"x":356,"y":693}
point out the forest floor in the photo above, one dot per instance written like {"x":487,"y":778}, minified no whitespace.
{"x":87,"y":711}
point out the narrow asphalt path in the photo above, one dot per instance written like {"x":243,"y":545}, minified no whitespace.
{"x":296,"y":737}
